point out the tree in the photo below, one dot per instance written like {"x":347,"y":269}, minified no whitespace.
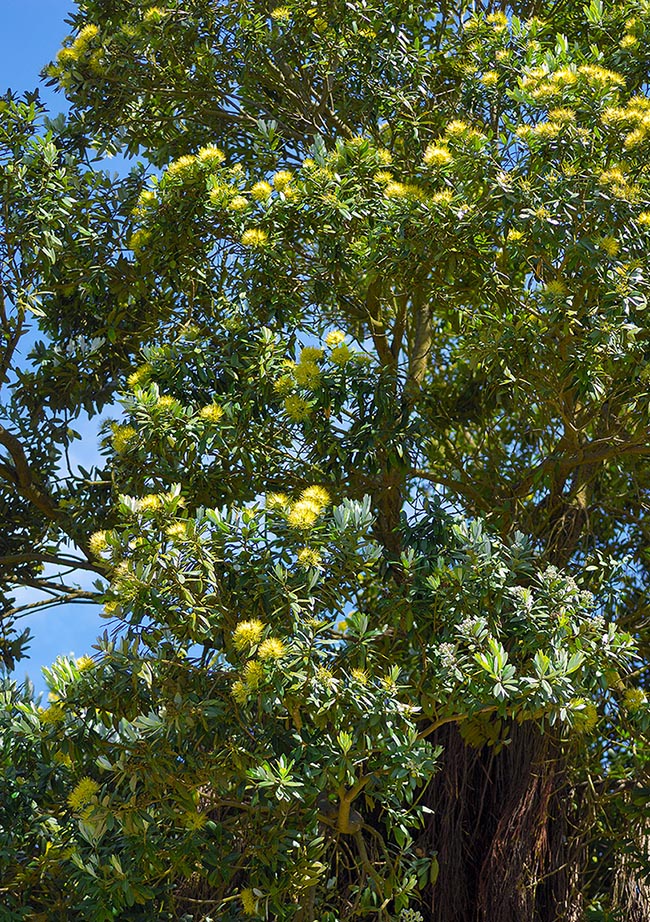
{"x":372,"y":514}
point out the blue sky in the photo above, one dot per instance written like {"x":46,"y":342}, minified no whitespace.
{"x":31,"y":32}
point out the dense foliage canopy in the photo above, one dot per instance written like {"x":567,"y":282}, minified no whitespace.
{"x":369,"y":318}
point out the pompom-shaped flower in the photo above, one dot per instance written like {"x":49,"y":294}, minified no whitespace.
{"x":52,"y":715}
{"x":304,"y":513}
{"x":255,"y":237}
{"x":152,"y":502}
{"x":210,"y":156}
{"x":97,"y":543}
{"x":341,"y":355}
{"x":307,"y":375}
{"x":296,"y":408}
{"x":213,"y":413}
{"x":253,"y":673}
{"x":248,"y":901}
{"x":123,"y":436}
{"x":309,"y":558}
{"x":140,"y":376}
{"x":334,"y":338}
{"x":316,"y":495}
{"x":240,"y":692}
{"x":247,"y":634}
{"x":271,"y":648}
{"x":277,"y":500}
{"x":634,"y":699}
{"x":282,"y":179}
{"x":281,"y":14}
{"x":311,"y":354}
{"x":84,"y":663}
{"x":261,"y":191}
{"x":183,"y":168}
{"x":83,"y":793}
{"x":436,"y":155}
{"x":238,"y":203}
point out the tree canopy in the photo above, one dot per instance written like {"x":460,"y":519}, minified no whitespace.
{"x":366,"y":327}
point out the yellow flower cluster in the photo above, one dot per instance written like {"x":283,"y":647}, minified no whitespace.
{"x":52,"y":715}
{"x":335,"y":338}
{"x":247,"y":634}
{"x":83,"y":794}
{"x":608,"y":245}
{"x":634,"y":699}
{"x":255,"y":237}
{"x":544,"y":86}
{"x":140,"y":376}
{"x":341,"y":355}
{"x":97,"y":543}
{"x":253,"y":673}
{"x":282,"y":179}
{"x":277,"y":501}
{"x":79,"y":47}
{"x":238,"y":203}
{"x":312,"y":502}
{"x":138,"y":240}
{"x":261,"y":191}
{"x":182,"y":168}
{"x":406,"y":191}
{"x":248,"y":901}
{"x":297,"y":409}
{"x":281,"y":14}
{"x":178,"y":531}
{"x":210,"y":156}
{"x":309,"y":558}
{"x":154,"y":14}
{"x":84,"y":663}
{"x":167,"y":404}
{"x":490,"y":78}
{"x":152,"y":502}
{"x":617,"y":182}
{"x":213,"y":413}
{"x":122,"y":437}
{"x":271,"y":648}
{"x":437,"y":155}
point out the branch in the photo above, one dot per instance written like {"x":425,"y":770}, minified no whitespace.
{"x":79,"y":595}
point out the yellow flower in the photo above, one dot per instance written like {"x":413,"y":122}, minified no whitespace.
{"x":281,"y":13}
{"x":282,"y":179}
{"x":154,"y":14}
{"x":324,"y":677}
{"x":255,"y":237}
{"x":276,"y":500}
{"x":436,"y":155}
{"x":167,"y":402}
{"x":183,"y":167}
{"x":84,"y":663}
{"x":192,"y":819}
{"x":271,"y":648}
{"x":52,"y":715}
{"x":150,"y":503}
{"x":311,"y":354}
{"x":341,"y":355}
{"x":211,"y":156}
{"x":248,"y":901}
{"x":360,"y":676}
{"x":629,"y":41}
{"x":608,"y":245}
{"x":177,"y":531}
{"x":139,"y":239}
{"x":284,"y":384}
{"x":213,"y":413}
{"x":644,"y":219}
{"x":316,"y":495}
{"x":634,"y":699}
{"x":247,"y":634}
{"x":308,"y":558}
{"x":303,"y":514}
{"x":296,"y":408}
{"x":555,"y":288}
{"x":239,"y":691}
{"x":307,"y":375}
{"x":514,"y":236}
{"x":122,"y":437}
{"x":253,"y":673}
{"x":83,"y":794}
{"x":261,"y":191}
{"x":383,"y":176}
{"x":498,"y":20}
{"x":335,"y":338}
{"x":97,"y":543}
{"x":585,"y":715}
{"x":490,"y":78}
{"x":140,"y":376}
{"x":238,"y":203}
